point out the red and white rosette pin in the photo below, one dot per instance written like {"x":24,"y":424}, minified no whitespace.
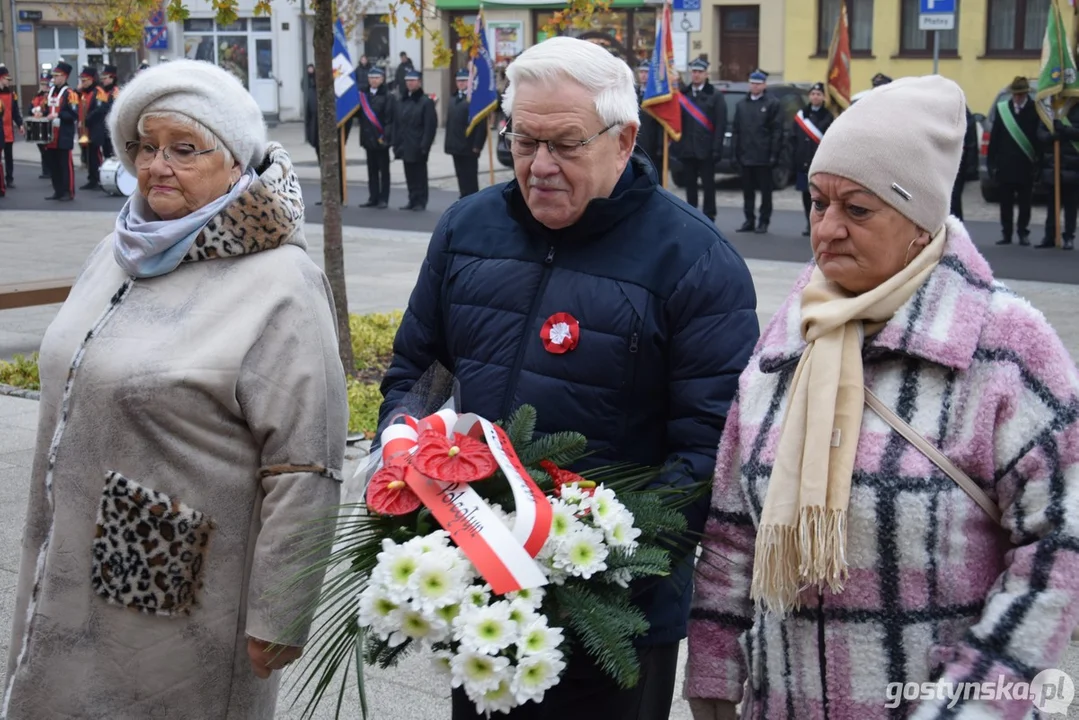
{"x":560,"y":333}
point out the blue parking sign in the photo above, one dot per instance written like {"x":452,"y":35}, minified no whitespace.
{"x":929,"y":7}
{"x":686,"y":5}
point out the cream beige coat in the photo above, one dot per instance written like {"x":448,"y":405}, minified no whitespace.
{"x":190,"y":425}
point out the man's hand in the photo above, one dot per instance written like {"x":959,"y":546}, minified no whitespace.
{"x":704,"y":709}
{"x":266,"y":657}
{"x":22,"y":131}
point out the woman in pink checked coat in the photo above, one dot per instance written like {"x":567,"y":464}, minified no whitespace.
{"x":843,"y":573}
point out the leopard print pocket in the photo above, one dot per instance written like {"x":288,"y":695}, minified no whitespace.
{"x":149,"y":549}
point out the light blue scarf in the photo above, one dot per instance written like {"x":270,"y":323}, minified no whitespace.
{"x":146,"y":246}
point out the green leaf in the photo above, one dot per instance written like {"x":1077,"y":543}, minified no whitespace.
{"x":561,"y":448}
{"x":521,"y":427}
{"x":606,"y":629}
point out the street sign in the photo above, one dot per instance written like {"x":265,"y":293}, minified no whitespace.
{"x":29,"y":14}
{"x":936,"y":22}
{"x":686,"y":21}
{"x":25,"y":27}
{"x":926,"y":7}
{"x":157,"y":18}
{"x":156,"y":38}
{"x":684,"y":5}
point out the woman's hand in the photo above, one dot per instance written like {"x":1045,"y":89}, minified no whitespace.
{"x":704,"y":709}
{"x":266,"y":657}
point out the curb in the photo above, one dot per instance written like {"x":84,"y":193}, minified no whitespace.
{"x":12,"y":391}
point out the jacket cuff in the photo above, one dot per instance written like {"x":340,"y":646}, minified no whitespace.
{"x":716,"y":668}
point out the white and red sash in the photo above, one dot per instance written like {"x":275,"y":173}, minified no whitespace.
{"x":808,"y":127}
{"x":503,"y":556}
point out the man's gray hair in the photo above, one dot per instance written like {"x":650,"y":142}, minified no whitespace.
{"x":560,"y":59}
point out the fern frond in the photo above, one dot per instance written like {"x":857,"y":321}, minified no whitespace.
{"x":522,"y":427}
{"x":561,"y":448}
{"x":606,"y":630}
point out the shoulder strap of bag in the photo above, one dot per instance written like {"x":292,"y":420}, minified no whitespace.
{"x":1004,"y":112}
{"x":936,"y":456}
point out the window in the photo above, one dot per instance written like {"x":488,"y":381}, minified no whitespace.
{"x":1016,"y":27}
{"x":913,"y":41}
{"x":236,"y":47}
{"x":860,"y":19}
{"x":376,"y":39}
{"x":629,"y":34}
{"x":261,"y":24}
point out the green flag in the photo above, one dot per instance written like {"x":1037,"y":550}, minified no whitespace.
{"x":1057,"y":79}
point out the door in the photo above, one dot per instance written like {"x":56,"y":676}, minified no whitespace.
{"x":739,"y":41}
{"x":263,"y":84}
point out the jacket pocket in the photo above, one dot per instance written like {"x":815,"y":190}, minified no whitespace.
{"x":149,"y":549}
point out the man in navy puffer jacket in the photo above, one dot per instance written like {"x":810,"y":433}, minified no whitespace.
{"x":665,"y":308}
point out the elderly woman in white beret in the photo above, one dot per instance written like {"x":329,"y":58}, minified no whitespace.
{"x":846,"y":574}
{"x":192,"y":424}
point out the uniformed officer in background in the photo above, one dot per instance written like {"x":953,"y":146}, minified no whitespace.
{"x":93,"y":109}
{"x":62,"y":106}
{"x":10,"y":125}
{"x":810,"y":124}
{"x":464,"y":147}
{"x":112,"y":90}
{"x":377,"y":129}
{"x":756,"y":138}
{"x":651,"y":132}
{"x":415,"y":124}
{"x":39,"y":109}
{"x":704,"y":122}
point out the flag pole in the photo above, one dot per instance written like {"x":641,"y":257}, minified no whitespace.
{"x":344,"y":166}
{"x":1056,"y":184}
{"x":491,"y":146}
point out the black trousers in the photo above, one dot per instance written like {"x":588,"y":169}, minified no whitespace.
{"x":467,"y":169}
{"x":1069,"y":202}
{"x":587,"y":693}
{"x":378,"y":175}
{"x":9,"y":161}
{"x":416,"y":180}
{"x":44,"y":161}
{"x":106,"y":149}
{"x":757,"y":178}
{"x":94,"y":158}
{"x":61,"y":171}
{"x":1010,"y":196}
{"x":957,"y":196}
{"x":705,"y":170}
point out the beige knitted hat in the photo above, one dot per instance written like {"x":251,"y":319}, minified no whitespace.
{"x":201,"y":91}
{"x":903,"y":141}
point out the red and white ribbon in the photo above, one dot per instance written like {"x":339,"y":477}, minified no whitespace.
{"x":503,"y":556}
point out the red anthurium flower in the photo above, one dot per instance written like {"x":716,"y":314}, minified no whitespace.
{"x":565,"y":477}
{"x":460,"y":459}
{"x":388,"y":494}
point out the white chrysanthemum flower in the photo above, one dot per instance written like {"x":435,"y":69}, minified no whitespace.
{"x":437,"y":540}
{"x":605,"y":507}
{"x":621,"y":533}
{"x":619,"y":576}
{"x":535,"y":675}
{"x":376,"y":610}
{"x":486,"y":629}
{"x":437,"y":582}
{"x":546,"y":561}
{"x":477,"y":672}
{"x":563,"y":521}
{"x":441,"y":662}
{"x":583,"y":554}
{"x":537,"y":638}
{"x":396,"y":563}
{"x":522,"y":612}
{"x":533,"y":596}
{"x":448,"y":613}
{"x":572,"y":494}
{"x":500,"y":699}
{"x":412,"y":623}
{"x":477,"y":596}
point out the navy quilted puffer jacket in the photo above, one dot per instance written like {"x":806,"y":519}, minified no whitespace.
{"x":667,"y":316}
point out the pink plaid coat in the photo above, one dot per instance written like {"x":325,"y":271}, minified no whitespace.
{"x":937,"y":591}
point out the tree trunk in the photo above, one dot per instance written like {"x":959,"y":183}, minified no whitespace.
{"x":328,"y":140}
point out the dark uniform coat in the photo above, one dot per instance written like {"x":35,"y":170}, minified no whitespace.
{"x":697,"y":141}
{"x":457,"y":143}
{"x":1006,"y":161}
{"x":1069,"y":155}
{"x":758,"y":131}
{"x":803,"y":147}
{"x":415,"y":125}
{"x":383,"y":106}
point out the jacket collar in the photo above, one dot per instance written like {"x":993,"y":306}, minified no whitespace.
{"x":637,"y":183}
{"x":941,"y":324}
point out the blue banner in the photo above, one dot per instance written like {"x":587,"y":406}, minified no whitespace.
{"x":345,"y":88}
{"x":484,"y":98}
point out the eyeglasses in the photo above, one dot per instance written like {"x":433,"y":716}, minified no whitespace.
{"x":177,"y":155}
{"x":524,"y":146}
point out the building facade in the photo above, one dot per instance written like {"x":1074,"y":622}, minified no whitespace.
{"x":267,"y":53}
{"x":994,"y":41}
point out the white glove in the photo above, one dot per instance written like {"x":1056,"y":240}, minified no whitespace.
{"x":705,"y":709}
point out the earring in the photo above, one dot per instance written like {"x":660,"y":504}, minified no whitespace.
{"x":906,"y":258}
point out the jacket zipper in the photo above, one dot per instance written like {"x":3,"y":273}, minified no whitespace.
{"x":820,"y":655}
{"x":507,"y":402}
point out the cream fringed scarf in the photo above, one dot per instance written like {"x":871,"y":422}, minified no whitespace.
{"x":802,"y":537}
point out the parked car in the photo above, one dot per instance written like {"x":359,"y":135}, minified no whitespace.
{"x":792,"y":98}
{"x":989,"y":186}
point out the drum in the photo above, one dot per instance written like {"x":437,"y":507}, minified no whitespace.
{"x":38,"y":130}
{"x":115,"y":180}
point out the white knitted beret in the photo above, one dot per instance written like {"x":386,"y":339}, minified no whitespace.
{"x":902,"y":141}
{"x":199,"y":90}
